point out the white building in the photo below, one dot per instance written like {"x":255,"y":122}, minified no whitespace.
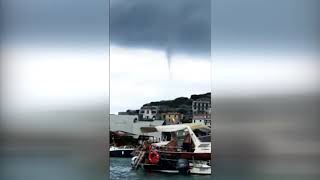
{"x":131,"y":124}
{"x":204,"y":119}
{"x":149,"y":112}
{"x":122,"y":122}
{"x":201,"y":106}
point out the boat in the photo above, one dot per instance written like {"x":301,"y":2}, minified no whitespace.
{"x":200,"y":168}
{"x":188,"y":151}
{"x":121,"y":151}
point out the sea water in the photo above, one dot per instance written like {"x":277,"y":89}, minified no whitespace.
{"x":120,"y":169}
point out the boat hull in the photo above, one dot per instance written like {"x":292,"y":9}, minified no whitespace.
{"x":185,"y":155}
{"x":202,"y":169}
{"x":121,"y":153}
{"x":170,"y":166}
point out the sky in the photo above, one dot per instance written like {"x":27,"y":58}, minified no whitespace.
{"x":56,"y":56}
{"x":249,"y":49}
{"x":136,"y":80}
{"x":158,"y":49}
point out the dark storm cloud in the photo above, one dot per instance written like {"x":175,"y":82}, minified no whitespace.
{"x":185,"y":25}
{"x":60,"y":21}
{"x":170,"y":25}
{"x":265,"y":24}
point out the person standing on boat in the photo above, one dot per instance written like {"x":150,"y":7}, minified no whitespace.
{"x":187,"y":143}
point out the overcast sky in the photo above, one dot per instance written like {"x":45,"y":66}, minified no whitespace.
{"x":146,"y":35}
{"x":145,"y":23}
{"x":158,"y":49}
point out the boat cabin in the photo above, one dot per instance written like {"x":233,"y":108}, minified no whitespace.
{"x":191,"y":137}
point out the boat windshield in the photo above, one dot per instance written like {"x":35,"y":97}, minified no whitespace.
{"x":203,"y":134}
{"x":206,"y":138}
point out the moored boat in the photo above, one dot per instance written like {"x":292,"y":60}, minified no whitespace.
{"x":200,"y":167}
{"x":121,"y":151}
{"x":187,"y":152}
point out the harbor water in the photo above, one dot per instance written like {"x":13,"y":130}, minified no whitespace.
{"x":120,"y":169}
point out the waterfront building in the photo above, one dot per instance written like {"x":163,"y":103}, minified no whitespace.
{"x":122,"y":122}
{"x":172,"y":117}
{"x":129,"y":112}
{"x":201,"y":106}
{"x":149,"y":113}
{"x":204,"y":119}
{"x":131,"y":124}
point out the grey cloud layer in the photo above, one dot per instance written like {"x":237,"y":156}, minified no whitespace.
{"x":181,"y":25}
{"x":185,"y":25}
{"x":170,"y":25}
{"x":267,"y":24}
{"x":59,"y":21}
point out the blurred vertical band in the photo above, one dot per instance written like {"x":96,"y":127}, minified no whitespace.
{"x":265,"y":89}
{"x":54,"y":89}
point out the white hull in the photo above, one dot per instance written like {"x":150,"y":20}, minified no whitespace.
{"x":120,"y":152}
{"x":168,"y":171}
{"x":201,"y":169}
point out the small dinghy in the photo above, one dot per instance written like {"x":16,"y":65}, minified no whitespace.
{"x":121,"y":151}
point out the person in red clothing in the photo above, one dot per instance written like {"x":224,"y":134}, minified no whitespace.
{"x":187,"y":143}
